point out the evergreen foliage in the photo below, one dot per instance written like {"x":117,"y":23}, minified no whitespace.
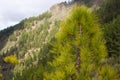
{"x":35,"y":39}
{"x":86,"y":2}
{"x":109,"y":10}
{"x":109,"y":13}
{"x":36,"y":72}
{"x":76,"y":52}
{"x":79,"y":51}
{"x":112,"y":34}
{"x":33,"y":73}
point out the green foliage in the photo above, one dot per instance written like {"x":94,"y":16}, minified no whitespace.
{"x":109,"y":13}
{"x":36,"y":72}
{"x":33,"y":73}
{"x":35,"y":39}
{"x":107,"y":74}
{"x":112,"y":34}
{"x":45,"y":15}
{"x":109,"y":10}
{"x":79,"y":51}
{"x":86,"y":2}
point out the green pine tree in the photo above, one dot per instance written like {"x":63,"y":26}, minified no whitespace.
{"x":112,"y":34}
{"x":79,"y":51}
{"x":109,"y":10}
{"x":110,"y":16}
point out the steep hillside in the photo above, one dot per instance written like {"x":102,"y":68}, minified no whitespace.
{"x":66,"y":42}
{"x":26,"y":39}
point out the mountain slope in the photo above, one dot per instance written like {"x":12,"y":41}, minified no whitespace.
{"x":26,"y":39}
{"x":31,"y":50}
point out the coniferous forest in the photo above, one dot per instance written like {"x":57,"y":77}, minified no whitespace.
{"x":75,"y":40}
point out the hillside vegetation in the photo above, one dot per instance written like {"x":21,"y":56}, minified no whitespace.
{"x":71,"y":41}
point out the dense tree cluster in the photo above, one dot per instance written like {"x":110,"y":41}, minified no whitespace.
{"x":109,"y":10}
{"x":109,"y":13}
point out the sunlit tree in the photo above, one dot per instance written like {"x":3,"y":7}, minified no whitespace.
{"x":79,"y":50}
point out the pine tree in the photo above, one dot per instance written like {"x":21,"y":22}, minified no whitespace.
{"x":109,"y":10}
{"x":112,"y":34}
{"x":79,"y":51}
{"x":110,"y":16}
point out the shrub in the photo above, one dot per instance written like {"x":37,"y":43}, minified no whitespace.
{"x":1,"y":75}
{"x":12,"y":38}
{"x":11,"y":59}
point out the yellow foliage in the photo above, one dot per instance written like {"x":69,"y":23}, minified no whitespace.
{"x":0,"y":67}
{"x":107,"y":73}
{"x":11,"y":59}
{"x":1,"y":75}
